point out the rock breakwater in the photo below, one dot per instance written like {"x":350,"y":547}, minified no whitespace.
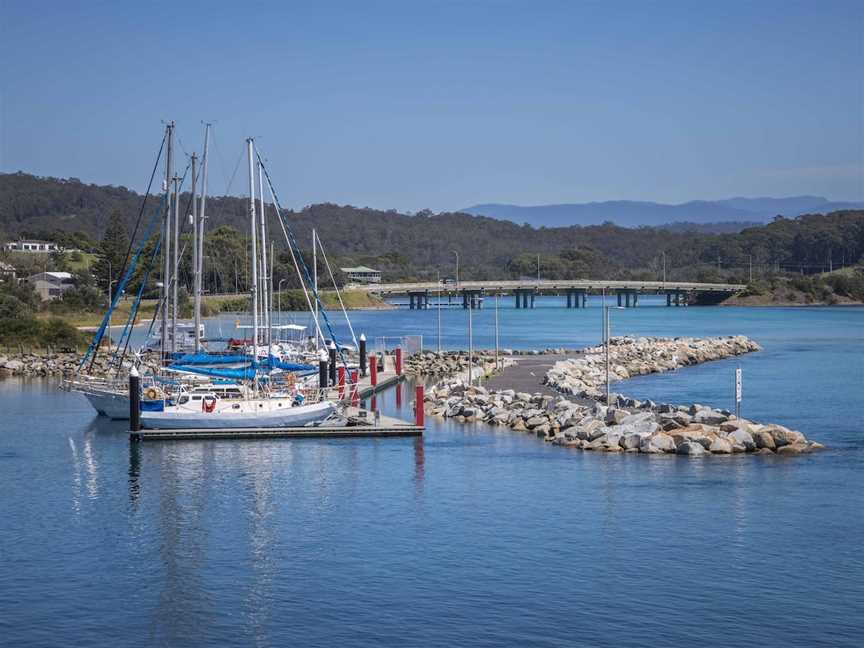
{"x":585,"y":375}
{"x":625,"y":424}
{"x":43,"y":364}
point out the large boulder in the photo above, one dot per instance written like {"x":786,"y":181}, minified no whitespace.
{"x":615,"y":416}
{"x":536,"y":421}
{"x":784,"y":436}
{"x":709,"y":417}
{"x":691,"y":448}
{"x":793,"y":449}
{"x":720,"y":446}
{"x":763,"y":439}
{"x":741,"y":438}
{"x":657,"y":443}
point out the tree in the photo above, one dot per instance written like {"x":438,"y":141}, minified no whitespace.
{"x":112,"y":252}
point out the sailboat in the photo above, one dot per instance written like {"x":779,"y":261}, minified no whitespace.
{"x":265,"y":407}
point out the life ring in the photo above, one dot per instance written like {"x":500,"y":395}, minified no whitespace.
{"x":208,"y":404}
{"x":151,"y":394}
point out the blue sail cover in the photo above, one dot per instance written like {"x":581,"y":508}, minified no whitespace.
{"x":244,"y":373}
{"x":209,"y":358}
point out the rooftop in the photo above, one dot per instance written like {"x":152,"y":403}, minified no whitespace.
{"x":358,"y":269}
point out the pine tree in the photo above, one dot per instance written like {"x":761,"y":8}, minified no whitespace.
{"x":112,"y":252}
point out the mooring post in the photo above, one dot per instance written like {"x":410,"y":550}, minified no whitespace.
{"x":373,"y":370}
{"x":332,"y":349}
{"x":418,"y":406}
{"x":399,"y":395}
{"x":398,"y":361}
{"x":134,"y":401}
{"x":341,"y":375}
{"x":322,"y":369}
{"x":362,"y":355}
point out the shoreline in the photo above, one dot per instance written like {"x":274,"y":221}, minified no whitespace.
{"x":575,"y":413}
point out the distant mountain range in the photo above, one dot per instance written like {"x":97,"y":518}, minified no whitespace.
{"x":636,"y":213}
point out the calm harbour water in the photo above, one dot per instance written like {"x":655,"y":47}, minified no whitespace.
{"x":472,"y":536}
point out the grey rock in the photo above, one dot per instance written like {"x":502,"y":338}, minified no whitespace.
{"x":692,"y":449}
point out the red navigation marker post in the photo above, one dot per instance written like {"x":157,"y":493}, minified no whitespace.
{"x":373,"y":370}
{"x":418,"y":406}
{"x":355,"y":394}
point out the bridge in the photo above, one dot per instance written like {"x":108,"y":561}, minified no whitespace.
{"x":575,"y":290}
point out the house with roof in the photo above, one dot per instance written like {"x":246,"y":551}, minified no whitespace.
{"x":51,"y":285}
{"x":32,"y":246}
{"x":362,"y":274}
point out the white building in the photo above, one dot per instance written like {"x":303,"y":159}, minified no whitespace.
{"x":51,"y":285}
{"x":32,"y":246}
{"x":362,"y":274}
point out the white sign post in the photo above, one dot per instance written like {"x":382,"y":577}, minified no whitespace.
{"x":738,"y":392}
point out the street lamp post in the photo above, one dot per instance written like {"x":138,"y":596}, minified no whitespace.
{"x":438,"y":279}
{"x":497,"y":368}
{"x":607,"y":342}
{"x":279,"y":299}
{"x":457,"y":268}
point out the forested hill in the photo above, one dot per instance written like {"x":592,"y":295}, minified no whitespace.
{"x":418,"y":246}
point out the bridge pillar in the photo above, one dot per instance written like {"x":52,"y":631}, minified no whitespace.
{"x":677,"y":297}
{"x":570,"y":299}
{"x":411,"y":301}
{"x":668,"y":299}
{"x":619,"y":299}
{"x":584,"y":298}
{"x":518,"y":304}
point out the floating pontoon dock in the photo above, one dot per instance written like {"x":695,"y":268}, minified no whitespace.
{"x":359,"y":423}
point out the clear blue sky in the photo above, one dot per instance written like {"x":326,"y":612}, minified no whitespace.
{"x":409,"y":105}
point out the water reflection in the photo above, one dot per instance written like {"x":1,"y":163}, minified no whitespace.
{"x":134,"y":472}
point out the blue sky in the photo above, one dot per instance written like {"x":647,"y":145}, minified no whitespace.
{"x":441,"y":105}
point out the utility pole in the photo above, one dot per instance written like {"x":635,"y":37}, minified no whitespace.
{"x":470,"y":343}
{"x":497,"y":367}
{"x":166,"y":241}
{"x":664,"y":268}
{"x":196,"y":275}
{"x":457,"y":269}
{"x":438,"y":275}
{"x":254,"y":264}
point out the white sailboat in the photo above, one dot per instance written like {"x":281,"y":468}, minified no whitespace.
{"x":263,"y":409}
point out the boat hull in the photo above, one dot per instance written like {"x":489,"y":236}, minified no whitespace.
{"x":113,"y":405}
{"x":269,"y":415}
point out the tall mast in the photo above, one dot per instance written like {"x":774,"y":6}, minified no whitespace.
{"x":270,"y":293}
{"x":265,"y":296}
{"x":196,"y":288}
{"x":200,"y":269}
{"x":254,"y":264}
{"x":175,"y":262}
{"x":166,"y":241}
{"x":315,"y":282}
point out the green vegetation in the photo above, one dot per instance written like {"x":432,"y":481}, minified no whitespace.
{"x":421,"y":246}
{"x":28,"y":332}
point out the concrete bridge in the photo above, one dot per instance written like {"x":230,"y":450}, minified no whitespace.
{"x":575,"y":290}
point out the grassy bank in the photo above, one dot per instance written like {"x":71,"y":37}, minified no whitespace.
{"x":291,"y":300}
{"x":829,"y":289}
